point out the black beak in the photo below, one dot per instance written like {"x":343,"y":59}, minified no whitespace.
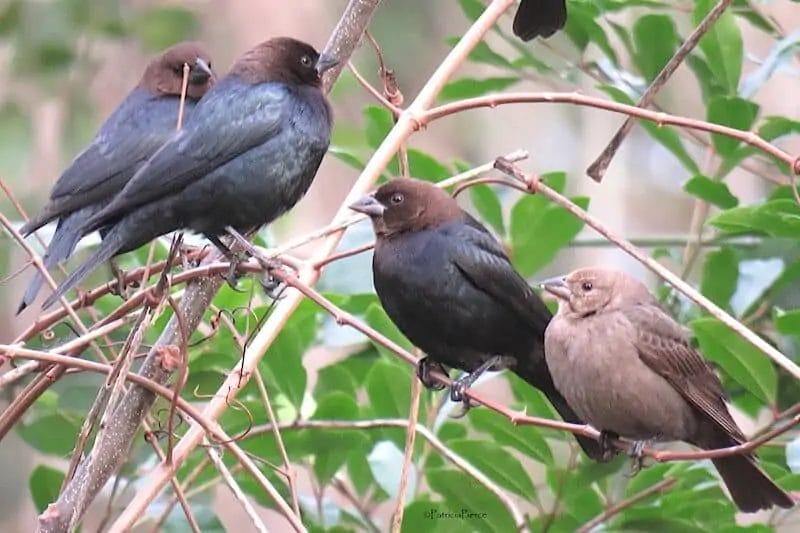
{"x":325,"y":62}
{"x":557,"y":287}
{"x":200,"y":72}
{"x":369,"y":206}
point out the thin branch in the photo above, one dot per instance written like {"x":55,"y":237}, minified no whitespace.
{"x":662,"y":486}
{"x":289,"y":471}
{"x":689,"y":291}
{"x":238,"y":493}
{"x":493,"y":101}
{"x":411,"y":434}
{"x":597,"y":170}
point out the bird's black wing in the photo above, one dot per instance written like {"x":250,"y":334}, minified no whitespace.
{"x":539,"y":17}
{"x":481,"y":259}
{"x":231,"y":119}
{"x":663,"y":345}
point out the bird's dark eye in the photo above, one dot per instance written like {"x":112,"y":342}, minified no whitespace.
{"x":306,"y":61}
{"x":397,"y":198}
{"x":586,"y":286}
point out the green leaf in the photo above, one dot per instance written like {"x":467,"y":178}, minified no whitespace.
{"x":45,"y":485}
{"x":539,"y":231}
{"x":720,"y":276}
{"x":788,"y":322}
{"x":656,"y":41}
{"x":470,"y":505}
{"x":16,"y":138}
{"x":734,"y":112}
{"x":738,"y":358}
{"x":53,"y":434}
{"x":334,"y":446}
{"x":378,"y":319}
{"x":426,"y":167}
{"x":667,"y":136}
{"x":497,"y":464}
{"x":488,"y":205}
{"x":777,"y":218}
{"x":389,"y":388}
{"x":346,"y":156}
{"x":471,"y":87}
{"x":582,"y":28}
{"x":471,"y":8}
{"x":526,"y":439}
{"x":284,"y":359}
{"x":712,"y":191}
{"x":722,"y":46}
{"x":379,"y":123}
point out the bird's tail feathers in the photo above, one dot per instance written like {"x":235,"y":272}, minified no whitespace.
{"x":750,"y":487}
{"x":108,"y":249}
{"x":61,"y":246}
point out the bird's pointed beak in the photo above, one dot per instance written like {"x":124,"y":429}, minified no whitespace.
{"x":201,"y":72}
{"x":368,"y":205}
{"x":557,"y":286}
{"x":325,"y":62}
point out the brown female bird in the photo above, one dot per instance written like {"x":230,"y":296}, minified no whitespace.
{"x":628,"y":369}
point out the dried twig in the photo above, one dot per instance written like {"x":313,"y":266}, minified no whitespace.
{"x":597,"y":170}
{"x":411,"y":434}
{"x":657,"y":488}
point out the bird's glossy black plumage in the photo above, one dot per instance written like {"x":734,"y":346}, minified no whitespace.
{"x":539,"y":18}
{"x":451,"y":289}
{"x":132,"y":133}
{"x":249,"y":154}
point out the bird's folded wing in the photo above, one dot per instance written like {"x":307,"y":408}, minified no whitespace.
{"x":481,"y":259}
{"x":223,"y":126}
{"x":539,"y":17}
{"x":664,"y":346}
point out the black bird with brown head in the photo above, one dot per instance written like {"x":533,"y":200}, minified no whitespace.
{"x":248,"y":155}
{"x":135,"y":130}
{"x":451,"y":289}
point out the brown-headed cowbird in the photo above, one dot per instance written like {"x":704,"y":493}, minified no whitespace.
{"x":248,"y":155}
{"x":539,"y":18}
{"x":134,"y":131}
{"x":451,"y":289}
{"x":629,"y":369}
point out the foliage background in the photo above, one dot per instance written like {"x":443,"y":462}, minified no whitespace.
{"x":65,"y":65}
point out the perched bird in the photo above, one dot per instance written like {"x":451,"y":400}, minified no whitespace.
{"x":539,"y":18}
{"x":134,"y":131}
{"x":248,"y":155}
{"x":451,"y":289}
{"x":629,"y":370}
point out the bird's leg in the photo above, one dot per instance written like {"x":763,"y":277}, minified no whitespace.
{"x":461,"y":385}
{"x":424,"y":367}
{"x":232,"y":257}
{"x":636,"y":453}
{"x":120,"y":288}
{"x":606,"y":446}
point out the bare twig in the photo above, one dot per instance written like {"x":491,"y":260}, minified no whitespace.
{"x":493,"y":101}
{"x":597,"y":170}
{"x":238,"y":493}
{"x":411,"y":434}
{"x":657,"y":488}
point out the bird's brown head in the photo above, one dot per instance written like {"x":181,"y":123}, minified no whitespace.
{"x":588,"y":291}
{"x":164,"y":74}
{"x":283,"y":59}
{"x":406,"y":204}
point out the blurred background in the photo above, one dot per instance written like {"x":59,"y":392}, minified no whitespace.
{"x":64,"y":65}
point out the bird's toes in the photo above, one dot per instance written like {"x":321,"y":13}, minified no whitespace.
{"x":424,"y":367}
{"x":636,"y":453}
{"x":466,"y":405}
{"x":607,"y":447}
{"x":273,"y":287}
